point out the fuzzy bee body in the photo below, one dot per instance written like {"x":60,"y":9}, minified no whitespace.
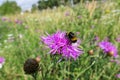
{"x":72,"y":37}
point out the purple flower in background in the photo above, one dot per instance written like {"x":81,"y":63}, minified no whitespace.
{"x":77,"y":33}
{"x":118,"y":39}
{"x":96,"y":38}
{"x":118,"y":75}
{"x":106,"y":39}
{"x":79,"y":17}
{"x":108,"y":48}
{"x":60,"y":44}
{"x":4,"y":18}
{"x":2,"y":60}
{"x":67,"y":13}
{"x":94,"y":41}
{"x":115,"y":61}
{"x":18,"y":21}
{"x":26,"y":27}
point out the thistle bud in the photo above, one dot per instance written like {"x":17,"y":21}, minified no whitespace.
{"x":90,"y":52}
{"x":37,"y":59}
{"x":31,"y":66}
{"x":110,"y":53}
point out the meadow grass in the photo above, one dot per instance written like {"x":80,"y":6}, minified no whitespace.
{"x":22,"y":41}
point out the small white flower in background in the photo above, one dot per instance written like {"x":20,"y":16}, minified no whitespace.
{"x":2,"y":61}
{"x":9,"y":35}
{"x":20,"y":36}
{"x":22,"y":13}
{"x":117,"y":10}
{"x":10,"y":38}
{"x":54,"y":7}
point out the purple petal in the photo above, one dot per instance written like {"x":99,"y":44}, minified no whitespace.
{"x":2,"y":60}
{"x":118,"y":75}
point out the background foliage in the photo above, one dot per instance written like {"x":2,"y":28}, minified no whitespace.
{"x":9,"y":8}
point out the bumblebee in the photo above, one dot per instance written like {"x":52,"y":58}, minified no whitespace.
{"x":72,"y":37}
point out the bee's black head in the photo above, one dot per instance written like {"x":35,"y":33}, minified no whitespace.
{"x":71,"y":35}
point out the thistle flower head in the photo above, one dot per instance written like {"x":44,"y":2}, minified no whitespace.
{"x":108,"y":48}
{"x":60,"y":44}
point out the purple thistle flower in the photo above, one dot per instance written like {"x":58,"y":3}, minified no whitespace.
{"x":60,"y":44}
{"x":2,"y":60}
{"x":108,"y":48}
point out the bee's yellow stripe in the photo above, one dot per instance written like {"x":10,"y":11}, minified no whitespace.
{"x":73,"y":38}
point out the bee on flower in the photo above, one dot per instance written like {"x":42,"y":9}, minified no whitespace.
{"x":63,"y":43}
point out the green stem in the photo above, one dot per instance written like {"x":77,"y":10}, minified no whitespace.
{"x":34,"y":76}
{"x":42,"y":69}
{"x":85,"y":69}
{"x":42,"y":75}
{"x":69,"y":68}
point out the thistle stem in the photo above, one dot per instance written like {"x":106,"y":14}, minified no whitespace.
{"x":34,"y":76}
